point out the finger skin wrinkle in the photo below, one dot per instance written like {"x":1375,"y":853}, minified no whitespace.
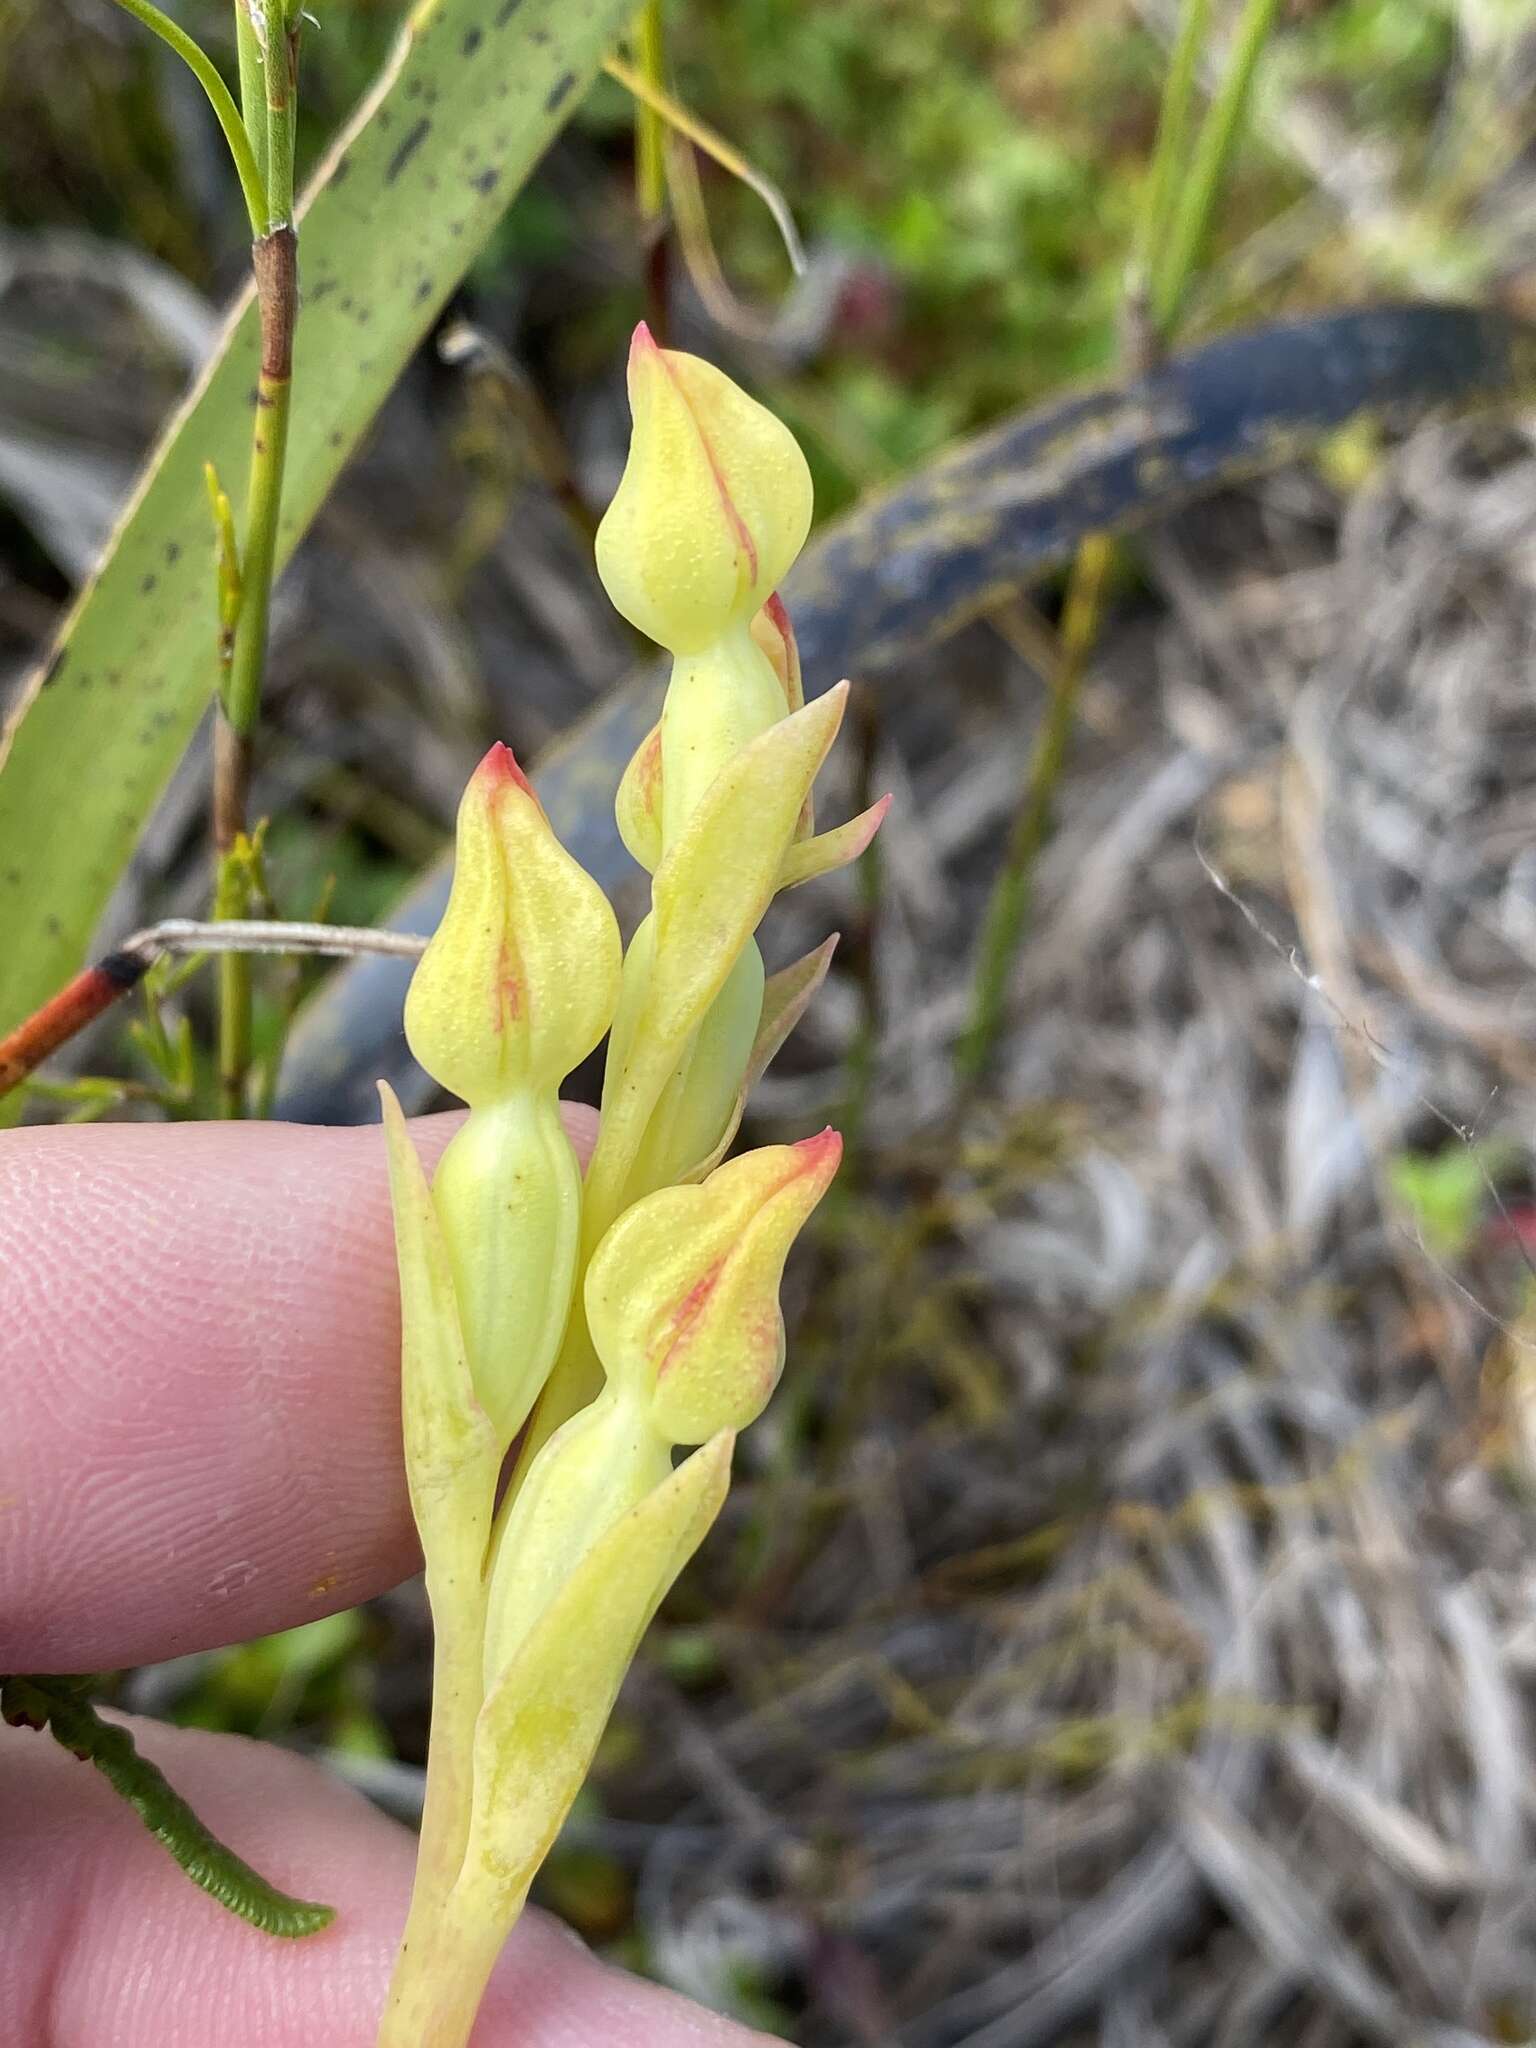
{"x":199,"y":1342}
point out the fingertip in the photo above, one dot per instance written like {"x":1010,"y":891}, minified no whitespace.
{"x":202,"y":1344}
{"x":110,"y":1942}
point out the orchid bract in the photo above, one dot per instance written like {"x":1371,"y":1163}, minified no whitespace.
{"x":603,"y":1327}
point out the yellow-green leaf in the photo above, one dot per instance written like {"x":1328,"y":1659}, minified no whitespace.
{"x":539,"y":1728}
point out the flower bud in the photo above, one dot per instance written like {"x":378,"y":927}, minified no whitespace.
{"x":713,"y":506}
{"x":682,"y":1295}
{"x":520,"y":979}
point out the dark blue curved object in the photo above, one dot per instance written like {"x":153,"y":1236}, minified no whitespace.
{"x":908,"y":566}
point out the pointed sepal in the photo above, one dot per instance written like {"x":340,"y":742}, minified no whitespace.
{"x":542,"y":1722}
{"x":828,"y":851}
{"x":448,"y":1438}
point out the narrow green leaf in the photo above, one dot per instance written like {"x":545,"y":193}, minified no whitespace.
{"x":400,"y":207}
{"x":61,"y":1706}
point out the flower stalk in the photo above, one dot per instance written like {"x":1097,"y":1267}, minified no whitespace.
{"x":605,"y":1326}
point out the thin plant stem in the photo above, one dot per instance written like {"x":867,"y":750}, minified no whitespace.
{"x":281,"y":72}
{"x":201,"y":65}
{"x":274,"y":259}
{"x":648,"y":39}
{"x":1201,"y":188}
{"x":253,"y":89}
{"x":1173,"y":130}
{"x":457,"y":1595}
{"x":1008,"y":908}
{"x":682,"y":122}
{"x":234,"y":973}
{"x":650,"y":128}
{"x":437,"y":1988}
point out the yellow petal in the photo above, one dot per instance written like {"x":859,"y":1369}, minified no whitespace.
{"x":775,"y":635}
{"x":637,"y":807}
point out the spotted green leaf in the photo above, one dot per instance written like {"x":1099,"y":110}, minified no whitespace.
{"x":405,"y":199}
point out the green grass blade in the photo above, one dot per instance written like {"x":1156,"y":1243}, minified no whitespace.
{"x":398,"y":210}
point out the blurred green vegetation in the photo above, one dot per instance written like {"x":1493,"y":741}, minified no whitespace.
{"x":985,"y":158}
{"x":317,"y":1678}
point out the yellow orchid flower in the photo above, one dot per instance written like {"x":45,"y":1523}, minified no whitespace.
{"x":682,"y":1303}
{"x":518,"y":984}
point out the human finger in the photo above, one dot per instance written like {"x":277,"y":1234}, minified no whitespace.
{"x":199,"y":1344}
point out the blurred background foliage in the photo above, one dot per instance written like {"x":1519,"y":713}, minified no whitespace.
{"x":1081,"y":1372}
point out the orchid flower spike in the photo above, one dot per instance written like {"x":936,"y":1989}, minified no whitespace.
{"x":634,"y":1313}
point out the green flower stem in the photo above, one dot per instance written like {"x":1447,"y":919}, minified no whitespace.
{"x":201,"y":65}
{"x":650,"y":129}
{"x":274,"y":258}
{"x":457,"y":1594}
{"x":231,"y":757}
{"x":440,"y":1980}
{"x":1173,"y":127}
{"x":253,"y":91}
{"x":282,"y":67}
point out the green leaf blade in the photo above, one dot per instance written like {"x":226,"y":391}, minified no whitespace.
{"x":396,"y":214}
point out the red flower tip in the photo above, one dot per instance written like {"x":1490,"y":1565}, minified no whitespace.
{"x":499,"y":767}
{"x":821,"y":1154}
{"x":642,"y":342}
